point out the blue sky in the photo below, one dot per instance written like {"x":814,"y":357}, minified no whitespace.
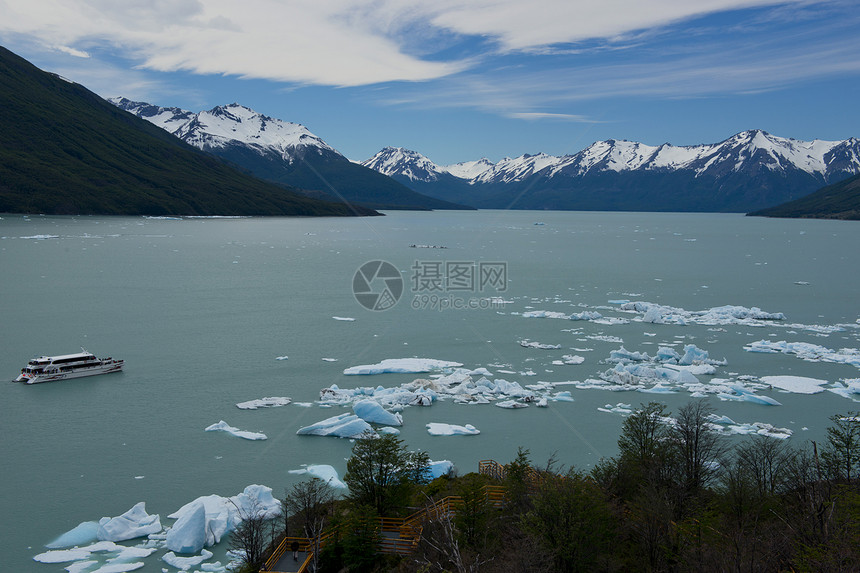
{"x":458,"y":80}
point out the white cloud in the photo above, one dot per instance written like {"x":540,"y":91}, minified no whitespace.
{"x":72,"y":51}
{"x":329,"y":42}
{"x":535,"y":115}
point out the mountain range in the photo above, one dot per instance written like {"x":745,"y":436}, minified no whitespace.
{"x":65,"y":150}
{"x":283,"y":152}
{"x":748,"y":171}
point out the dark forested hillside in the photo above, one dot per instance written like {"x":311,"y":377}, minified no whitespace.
{"x":64,"y":150}
{"x":838,"y":201}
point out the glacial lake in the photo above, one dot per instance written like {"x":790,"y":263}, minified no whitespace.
{"x":208,"y":313}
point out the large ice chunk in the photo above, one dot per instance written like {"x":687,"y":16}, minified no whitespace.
{"x":81,"y":534}
{"x":189,"y":533}
{"x":371,"y":411}
{"x":133,"y":523}
{"x":202,"y":522}
{"x":342,"y":426}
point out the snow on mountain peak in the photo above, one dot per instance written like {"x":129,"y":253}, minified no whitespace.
{"x":753,"y":147}
{"x":228,"y":124}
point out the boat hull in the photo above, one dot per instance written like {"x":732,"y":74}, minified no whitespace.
{"x":94,"y":370}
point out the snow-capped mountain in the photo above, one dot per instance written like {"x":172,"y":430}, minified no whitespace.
{"x":749,"y":170}
{"x":283,"y":152}
{"x":226,"y":125}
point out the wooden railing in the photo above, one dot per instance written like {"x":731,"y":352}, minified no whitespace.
{"x":408,"y":529}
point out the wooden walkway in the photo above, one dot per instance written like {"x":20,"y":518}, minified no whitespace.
{"x":398,"y":535}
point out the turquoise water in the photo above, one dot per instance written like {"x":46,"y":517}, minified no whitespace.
{"x":201,"y":308}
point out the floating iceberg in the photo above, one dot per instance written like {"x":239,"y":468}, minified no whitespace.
{"x":133,"y":523}
{"x":223,"y":426}
{"x":82,"y":534}
{"x":342,"y":426}
{"x":511,"y":404}
{"x":324,"y":472}
{"x":402,"y":366}
{"x":371,"y":411}
{"x":795,"y":384}
{"x":204,"y":521}
{"x":538,"y":345}
{"x":344,"y":318}
{"x":440,"y":429}
{"x":440,"y":468}
{"x":660,"y":314}
{"x":807,"y":351}
{"x":272,"y":402}
{"x":185,"y":563}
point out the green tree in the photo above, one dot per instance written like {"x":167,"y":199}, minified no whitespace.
{"x":842,"y":452}
{"x":380,"y":472}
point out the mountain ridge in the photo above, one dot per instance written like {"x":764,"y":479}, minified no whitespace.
{"x":749,"y":170}
{"x":283,"y":152}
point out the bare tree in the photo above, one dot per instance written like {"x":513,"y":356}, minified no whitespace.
{"x":440,"y":549}
{"x":249,"y":536}
{"x":311,"y":503}
{"x":698,"y":447}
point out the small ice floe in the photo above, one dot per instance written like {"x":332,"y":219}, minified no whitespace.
{"x":795,"y":384}
{"x":342,"y":426}
{"x":324,"y":472}
{"x":440,"y":429}
{"x":329,"y":359}
{"x":538,"y":345}
{"x":802,"y":283}
{"x":402,"y":366}
{"x":223,"y":426}
{"x":725,"y":425}
{"x":619,"y":408}
{"x":133,"y":523}
{"x":186,"y":563}
{"x":848,"y":388}
{"x":511,"y":404}
{"x":271,"y":402}
{"x":204,"y":521}
{"x":80,"y":554}
{"x":563,"y":397}
{"x":282,"y":357}
{"x":344,"y":318}
{"x":605,"y":338}
{"x":739,"y":393}
{"x":569,"y":359}
{"x":544,"y":314}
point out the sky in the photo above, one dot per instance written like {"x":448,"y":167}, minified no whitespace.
{"x":458,"y":80}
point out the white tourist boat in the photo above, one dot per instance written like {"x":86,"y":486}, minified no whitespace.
{"x":63,"y":367}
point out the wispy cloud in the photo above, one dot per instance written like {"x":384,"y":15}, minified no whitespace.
{"x":536,"y":116}
{"x":336,"y":42}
